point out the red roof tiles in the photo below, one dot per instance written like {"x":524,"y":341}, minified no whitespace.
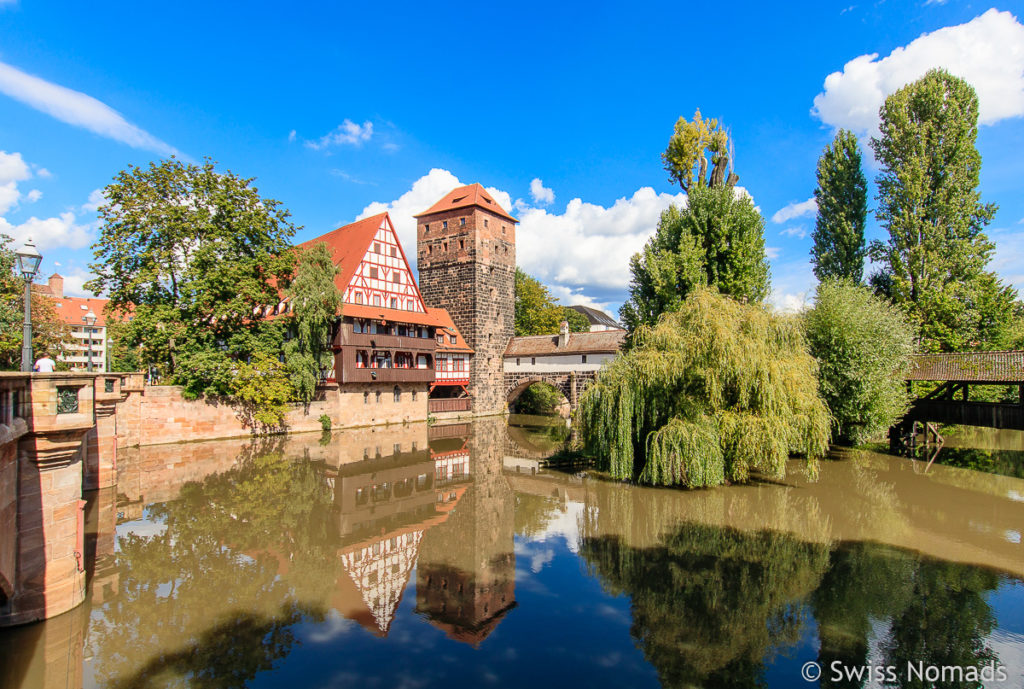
{"x":465,"y":197}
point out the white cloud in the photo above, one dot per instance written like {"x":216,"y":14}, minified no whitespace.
{"x":772,"y":252}
{"x":96,"y":199}
{"x":9,"y":196}
{"x":292,"y":135}
{"x":76,"y":108}
{"x":33,"y":196}
{"x":575,"y":297}
{"x":13,"y":169}
{"x":74,"y":281}
{"x":793,"y":286}
{"x":540,"y":193}
{"x":799,"y":232}
{"x":425,"y":192}
{"x":348,"y":132}
{"x":987,"y":51}
{"x":797,"y":209}
{"x":44,"y":173}
{"x":61,"y":231}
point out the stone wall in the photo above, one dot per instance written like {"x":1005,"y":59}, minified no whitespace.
{"x":469,"y":270}
{"x":161,"y":414}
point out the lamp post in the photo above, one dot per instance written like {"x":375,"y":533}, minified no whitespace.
{"x":90,"y":320}
{"x":28,"y":264}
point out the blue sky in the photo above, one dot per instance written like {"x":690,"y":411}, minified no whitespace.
{"x":562,"y":109}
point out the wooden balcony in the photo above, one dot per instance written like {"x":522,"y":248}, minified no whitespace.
{"x":345,"y":338}
{"x":386,"y":375}
{"x":451,"y":404}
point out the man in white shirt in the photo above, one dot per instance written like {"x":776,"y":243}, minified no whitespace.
{"x":44,"y":364}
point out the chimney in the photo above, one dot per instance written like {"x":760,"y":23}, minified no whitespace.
{"x":56,"y":283}
{"x":563,"y":334}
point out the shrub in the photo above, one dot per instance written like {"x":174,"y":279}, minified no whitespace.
{"x":863,"y":346}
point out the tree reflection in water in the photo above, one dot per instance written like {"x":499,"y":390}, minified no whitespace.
{"x":209,"y":601}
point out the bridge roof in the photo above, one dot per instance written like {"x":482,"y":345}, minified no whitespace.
{"x":578,"y":343}
{"x":969,"y":367}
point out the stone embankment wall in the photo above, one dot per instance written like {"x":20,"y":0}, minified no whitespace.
{"x":156,"y":415}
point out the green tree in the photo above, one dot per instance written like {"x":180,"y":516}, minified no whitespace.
{"x":315,"y":302}
{"x":716,"y":389}
{"x":263,"y":389}
{"x":539,"y":313}
{"x":842,"y":198}
{"x":686,"y":157}
{"x":190,"y":255}
{"x":934,"y":261}
{"x":717,"y":240}
{"x":49,"y":332}
{"x":863,"y":346}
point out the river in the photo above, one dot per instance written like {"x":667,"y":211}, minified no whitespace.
{"x":447,"y":556}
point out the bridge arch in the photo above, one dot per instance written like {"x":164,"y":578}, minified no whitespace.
{"x":516,"y":387}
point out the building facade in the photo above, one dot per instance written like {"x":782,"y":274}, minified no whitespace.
{"x":466,"y":254}
{"x":88,"y":342}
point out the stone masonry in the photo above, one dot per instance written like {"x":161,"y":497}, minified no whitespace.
{"x":468,"y":268}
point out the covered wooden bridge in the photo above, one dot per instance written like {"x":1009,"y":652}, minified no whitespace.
{"x":959,"y":373}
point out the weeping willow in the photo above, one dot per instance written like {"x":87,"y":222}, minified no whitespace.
{"x":713,"y":391}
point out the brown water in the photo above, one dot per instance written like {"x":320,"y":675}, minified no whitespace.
{"x":443,"y":556}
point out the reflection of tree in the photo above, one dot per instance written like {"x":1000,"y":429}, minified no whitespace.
{"x":210,"y":601}
{"x":710,"y":603}
{"x":533,"y":513}
{"x":936,"y":610}
{"x":1005,"y":462}
{"x":946,"y":621}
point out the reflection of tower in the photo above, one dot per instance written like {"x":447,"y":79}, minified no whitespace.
{"x":466,"y":255}
{"x":385,"y":504}
{"x":465,"y":581}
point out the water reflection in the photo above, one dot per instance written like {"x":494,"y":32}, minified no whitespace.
{"x":432,"y":557}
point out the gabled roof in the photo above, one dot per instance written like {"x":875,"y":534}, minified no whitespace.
{"x":596,"y":317}
{"x":465,"y":197}
{"x":600,"y":342}
{"x":447,"y":327}
{"x":348,"y":245}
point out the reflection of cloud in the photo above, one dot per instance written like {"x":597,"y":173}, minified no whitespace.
{"x":334,"y":626}
{"x":542,"y":558}
{"x":144,"y":528}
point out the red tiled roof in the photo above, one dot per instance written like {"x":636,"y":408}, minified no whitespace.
{"x":464,"y":197}
{"x":448,"y":328}
{"x":579,"y":343}
{"x":393,"y":315}
{"x":70,"y":309}
{"x":348,"y":245}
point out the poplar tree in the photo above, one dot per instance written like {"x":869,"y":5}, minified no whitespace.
{"x":842,"y":198}
{"x":934,"y":261}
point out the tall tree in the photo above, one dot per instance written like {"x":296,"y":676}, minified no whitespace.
{"x":842,"y":198}
{"x":686,"y":157}
{"x":539,"y":313}
{"x":49,"y":332}
{"x":717,"y":240}
{"x":314,"y":300}
{"x":934,"y":262}
{"x":191,"y":254}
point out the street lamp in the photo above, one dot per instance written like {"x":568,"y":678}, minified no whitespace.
{"x":28,"y":264}
{"x":90,"y":319}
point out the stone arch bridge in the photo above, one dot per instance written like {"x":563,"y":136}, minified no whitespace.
{"x":567,"y":361}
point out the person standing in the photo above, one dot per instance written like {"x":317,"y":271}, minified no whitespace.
{"x":44,"y":364}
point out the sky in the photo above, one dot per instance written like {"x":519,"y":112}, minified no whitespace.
{"x":562,"y":110}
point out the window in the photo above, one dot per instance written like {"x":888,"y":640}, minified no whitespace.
{"x":394,"y":252}
{"x":373,"y":273}
{"x":445,"y":245}
{"x":366,"y":400}
{"x":376,"y":300}
{"x":422,"y":361}
{"x":410,"y":305}
{"x":359,"y":297}
{"x":440,"y":339}
{"x":533,"y":361}
{"x":376,"y":247}
{"x":396,"y":277}
{"x":414,"y":399}
{"x":361,"y":359}
{"x":485,"y":222}
{"x":462,"y":222}
{"x":398,"y":394}
{"x":503,"y":229}
{"x":517,"y":361}
{"x":451,"y":338}
{"x":584,"y":358}
{"x":393,"y":303}
{"x":444,"y":225}
{"x":426,"y":228}
{"x":462,"y":244}
{"x":430,"y":248}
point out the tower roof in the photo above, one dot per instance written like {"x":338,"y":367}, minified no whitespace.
{"x":465,"y":197}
